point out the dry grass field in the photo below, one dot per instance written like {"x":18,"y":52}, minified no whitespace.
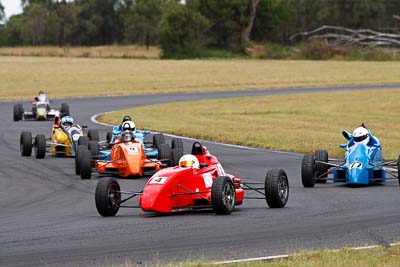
{"x":300,"y":123}
{"x":22,"y":77}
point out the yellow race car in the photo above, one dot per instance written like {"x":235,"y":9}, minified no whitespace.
{"x":64,"y":140}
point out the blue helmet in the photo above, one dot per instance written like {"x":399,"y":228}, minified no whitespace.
{"x":67,"y":121}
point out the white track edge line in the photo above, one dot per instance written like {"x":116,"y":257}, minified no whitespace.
{"x":93,"y":119}
{"x":285,"y":256}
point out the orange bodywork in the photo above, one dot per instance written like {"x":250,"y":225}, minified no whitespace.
{"x":128,"y":159}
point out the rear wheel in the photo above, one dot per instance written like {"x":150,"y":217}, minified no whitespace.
{"x":93,"y":135}
{"x":94,"y":148}
{"x":77,"y":160}
{"x":276,"y":188}
{"x":223,"y":195}
{"x":322,"y":169}
{"x":176,"y":155}
{"x":158,"y":139}
{"x":40,"y":146}
{"x":85,"y":164}
{"x":18,"y":111}
{"x":164,"y":153}
{"x":308,"y":171}
{"x":83,"y":140}
{"x":107,"y":197}
{"x":64,"y":108}
{"x":25,"y":143}
{"x":177,"y":143}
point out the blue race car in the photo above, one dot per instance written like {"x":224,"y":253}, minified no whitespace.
{"x":362,"y":164}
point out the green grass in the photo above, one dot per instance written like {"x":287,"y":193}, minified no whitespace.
{"x":23,"y":77}
{"x":299,"y":123}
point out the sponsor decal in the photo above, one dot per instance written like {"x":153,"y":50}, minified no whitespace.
{"x":220,"y":170}
{"x":356,"y":164}
{"x":75,"y":137}
{"x":158,"y":180}
{"x":133,"y":151}
{"x":208,"y":181}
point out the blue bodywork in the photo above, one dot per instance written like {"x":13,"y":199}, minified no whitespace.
{"x":151,"y":152}
{"x":363,"y":163}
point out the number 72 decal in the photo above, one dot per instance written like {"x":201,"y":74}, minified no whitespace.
{"x":356,"y":164}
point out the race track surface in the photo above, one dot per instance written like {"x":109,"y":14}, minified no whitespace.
{"x":48,"y":215}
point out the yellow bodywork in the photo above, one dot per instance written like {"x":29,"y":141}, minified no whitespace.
{"x":58,"y":136}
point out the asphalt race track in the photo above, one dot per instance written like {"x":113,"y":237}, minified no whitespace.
{"x":48,"y":215}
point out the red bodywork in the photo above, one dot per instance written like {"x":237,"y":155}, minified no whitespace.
{"x":128,"y":159}
{"x":177,"y":188}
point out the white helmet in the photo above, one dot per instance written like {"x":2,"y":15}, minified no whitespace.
{"x":128,"y":126}
{"x":189,"y":160}
{"x":361,"y":135}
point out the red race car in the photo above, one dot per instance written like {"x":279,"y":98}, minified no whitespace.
{"x":198,"y":182}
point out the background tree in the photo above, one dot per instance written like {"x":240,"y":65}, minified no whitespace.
{"x":2,"y":14}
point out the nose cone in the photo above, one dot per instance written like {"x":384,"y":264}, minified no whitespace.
{"x":357,"y":174}
{"x":41,"y":113}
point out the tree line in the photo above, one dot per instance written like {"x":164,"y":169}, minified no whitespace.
{"x":184,"y":26}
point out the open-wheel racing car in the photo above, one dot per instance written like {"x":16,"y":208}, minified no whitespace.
{"x":199,"y":182}
{"x":362,"y":164}
{"x":127,"y":157}
{"x":40,"y":109}
{"x":64,"y":140}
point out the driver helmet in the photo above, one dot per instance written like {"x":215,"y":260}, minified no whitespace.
{"x":41,"y":93}
{"x":126,"y":118}
{"x":128,"y":126}
{"x":67,"y":122}
{"x":361,"y":135}
{"x":127,"y":136}
{"x":189,"y":161}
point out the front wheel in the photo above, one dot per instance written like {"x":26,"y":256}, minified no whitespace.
{"x":223,"y":195}
{"x":64,"y":108}
{"x":93,"y":135}
{"x":77,"y":159}
{"x":25,"y":143}
{"x":40,"y":146}
{"x":107,"y":197}
{"x":18,"y":111}
{"x":276,"y":188}
{"x":85,"y":164}
{"x":308,"y":171}
{"x":322,"y":169}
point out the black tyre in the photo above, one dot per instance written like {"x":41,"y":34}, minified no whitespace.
{"x":64,"y":108}
{"x":107,"y":197}
{"x":93,"y":135}
{"x":164,"y":153}
{"x":276,"y":188}
{"x":83,"y":140}
{"x":223,"y":195}
{"x":398,"y":169}
{"x":25,"y":144}
{"x":109,"y":137}
{"x":85,"y":164}
{"x":308,"y":171}
{"x":177,"y":143}
{"x":321,"y":155}
{"x":158,"y":139}
{"x":77,"y":159}
{"x":18,"y":111}
{"x":176,"y":154}
{"x":40,"y":146}
{"x":94,"y":148}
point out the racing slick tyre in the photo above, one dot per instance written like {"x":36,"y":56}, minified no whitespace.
{"x":322,"y":169}
{"x":77,"y":160}
{"x":276,"y":188}
{"x":308,"y":171}
{"x":85,"y":164}
{"x":398,"y":169}
{"x":40,"y":146}
{"x":158,"y":139}
{"x":107,"y":197}
{"x":164,"y":154}
{"x":223,"y":195}
{"x":18,"y":111}
{"x":93,"y":135}
{"x":177,"y":143}
{"x":176,"y":155}
{"x":94,"y":148}
{"x":64,"y":108}
{"x":25,"y":144}
{"x":109,"y":136}
{"x":83,"y":140}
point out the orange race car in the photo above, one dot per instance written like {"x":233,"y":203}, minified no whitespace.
{"x":126,"y":158}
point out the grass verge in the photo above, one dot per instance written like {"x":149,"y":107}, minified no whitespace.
{"x":23,"y":77}
{"x":299,"y":123}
